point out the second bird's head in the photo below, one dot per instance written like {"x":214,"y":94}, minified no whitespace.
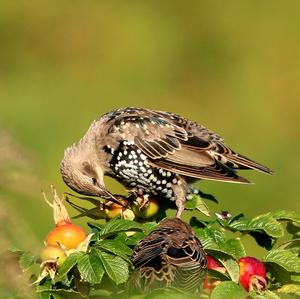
{"x":81,"y":170}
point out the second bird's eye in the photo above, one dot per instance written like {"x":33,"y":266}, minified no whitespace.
{"x":94,"y":181}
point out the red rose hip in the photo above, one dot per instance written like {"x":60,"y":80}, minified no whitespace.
{"x":252,"y":274}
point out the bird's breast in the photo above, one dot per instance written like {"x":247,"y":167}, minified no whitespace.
{"x":132,"y":168}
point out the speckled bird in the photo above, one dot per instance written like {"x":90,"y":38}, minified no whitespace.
{"x":170,"y":256}
{"x":150,"y":153}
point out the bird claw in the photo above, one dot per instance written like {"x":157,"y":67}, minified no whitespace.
{"x":142,"y":202}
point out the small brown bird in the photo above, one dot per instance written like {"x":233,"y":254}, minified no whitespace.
{"x":170,"y":256}
{"x":150,"y":152}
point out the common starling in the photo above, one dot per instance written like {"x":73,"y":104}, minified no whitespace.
{"x":170,"y":256}
{"x":150,"y":152}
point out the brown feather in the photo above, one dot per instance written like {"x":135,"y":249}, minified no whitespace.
{"x":169,"y":256}
{"x":217,"y":171}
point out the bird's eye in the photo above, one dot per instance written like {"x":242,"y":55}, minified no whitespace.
{"x":94,"y":181}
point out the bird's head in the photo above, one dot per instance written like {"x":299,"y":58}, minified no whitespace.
{"x":82,"y":172}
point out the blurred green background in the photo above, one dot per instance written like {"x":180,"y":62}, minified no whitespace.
{"x":231,"y":65}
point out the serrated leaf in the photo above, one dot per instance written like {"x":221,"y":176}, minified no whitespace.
{"x":210,"y":237}
{"x":116,"y":226}
{"x":90,"y":267}
{"x":16,"y":250}
{"x":116,"y":247}
{"x":26,"y":260}
{"x":286,"y":215}
{"x":115,"y":267}
{"x":293,"y":244}
{"x":290,"y":289}
{"x":234,"y":247}
{"x":134,"y":239}
{"x":263,"y":222}
{"x":284,"y":258}
{"x":215,"y":240}
{"x":196,"y":202}
{"x":232,"y":268}
{"x":266,"y":295}
{"x":148,"y":227}
{"x":270,"y":295}
{"x":228,"y":290}
{"x":69,"y":263}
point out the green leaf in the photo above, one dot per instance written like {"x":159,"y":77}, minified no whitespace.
{"x":167,"y":293}
{"x":228,"y":290}
{"x":262,"y":239}
{"x":116,"y":226}
{"x":266,"y":295}
{"x":44,"y":285}
{"x":290,"y":289}
{"x":26,"y":260}
{"x":217,"y":275}
{"x":232,"y":268}
{"x":62,"y":294}
{"x":100,"y":293}
{"x":135,"y":238}
{"x":293,"y":244}
{"x":215,"y":240}
{"x":295,"y":278}
{"x":286,"y":215}
{"x":293,"y":228}
{"x":194,"y":201}
{"x":115,"y":267}
{"x":69,"y":263}
{"x":284,"y":258}
{"x":148,"y":227}
{"x":210,"y":238}
{"x":45,"y":295}
{"x":90,"y":267}
{"x":264,"y":222}
{"x":234,"y":247}
{"x":116,"y":247}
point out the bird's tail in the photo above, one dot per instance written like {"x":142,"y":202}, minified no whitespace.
{"x":243,"y":162}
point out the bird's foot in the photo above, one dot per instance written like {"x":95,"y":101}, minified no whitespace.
{"x":142,"y":201}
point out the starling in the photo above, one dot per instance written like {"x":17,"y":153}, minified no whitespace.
{"x":171,"y":256}
{"x":150,"y":153}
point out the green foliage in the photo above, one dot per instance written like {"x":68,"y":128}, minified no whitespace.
{"x":104,"y":268}
{"x":228,"y":289}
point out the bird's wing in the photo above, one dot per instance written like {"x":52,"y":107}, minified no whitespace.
{"x":179,"y":145}
{"x":189,"y":258}
{"x":188,"y":254}
{"x":148,"y":250}
{"x":217,"y":148}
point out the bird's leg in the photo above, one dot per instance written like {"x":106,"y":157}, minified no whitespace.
{"x":140,"y":198}
{"x":142,"y":201}
{"x":180,"y":208}
{"x":180,"y":191}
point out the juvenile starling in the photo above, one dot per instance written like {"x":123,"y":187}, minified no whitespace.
{"x":170,"y":256}
{"x":150,"y":152}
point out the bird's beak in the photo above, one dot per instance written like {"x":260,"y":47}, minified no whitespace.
{"x":105,"y":194}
